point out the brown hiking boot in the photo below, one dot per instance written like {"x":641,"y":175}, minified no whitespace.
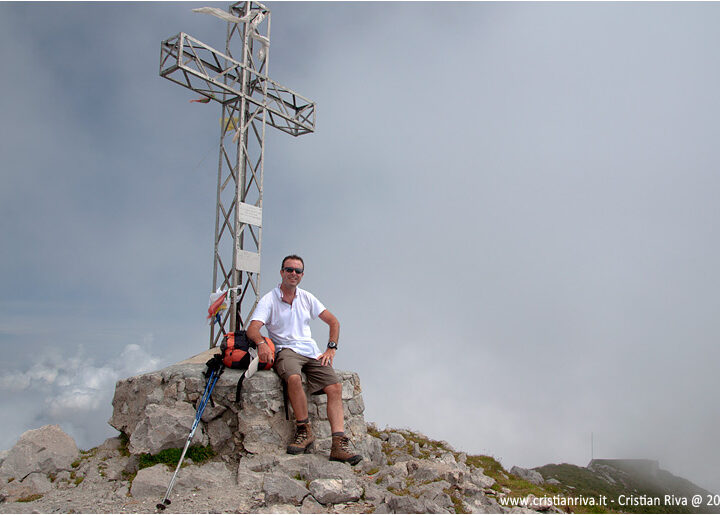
{"x":340,"y":451}
{"x":303,"y":441}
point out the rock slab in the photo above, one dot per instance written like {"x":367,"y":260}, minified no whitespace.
{"x":47,"y":450}
{"x":156,"y":411}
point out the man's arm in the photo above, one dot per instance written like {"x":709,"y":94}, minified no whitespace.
{"x":253,"y":333}
{"x":330,"y":319}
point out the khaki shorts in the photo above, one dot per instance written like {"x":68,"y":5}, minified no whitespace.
{"x":288,"y":363}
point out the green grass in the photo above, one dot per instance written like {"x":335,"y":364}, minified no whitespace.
{"x":30,"y":498}
{"x":170,"y":457}
{"x":586,"y":483}
{"x":128,"y":476}
{"x":574,"y":481}
{"x":124,"y":442}
{"x":457,"y":502}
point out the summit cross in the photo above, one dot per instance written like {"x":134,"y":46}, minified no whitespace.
{"x":250,"y":100}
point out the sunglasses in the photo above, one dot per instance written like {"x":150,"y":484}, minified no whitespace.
{"x":289,"y":269}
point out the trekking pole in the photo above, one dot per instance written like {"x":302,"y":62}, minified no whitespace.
{"x":201,"y":407}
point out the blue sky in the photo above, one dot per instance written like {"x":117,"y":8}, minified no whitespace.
{"x":511,"y":208}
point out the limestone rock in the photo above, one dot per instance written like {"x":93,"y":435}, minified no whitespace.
{"x":310,"y":505}
{"x":156,"y":411}
{"x":396,"y":440}
{"x":434,"y":497}
{"x":375,"y":495}
{"x":36,"y":483}
{"x":333,"y":491}
{"x":371,"y":450}
{"x":422,"y":470}
{"x":47,"y":449}
{"x":447,"y":458}
{"x":481,"y":479}
{"x":151,"y":482}
{"x":530,"y":475}
{"x":280,"y":489}
{"x":277,"y":508}
{"x":209,"y":475}
{"x":406,"y":504}
{"x":260,"y":462}
{"x":111,"y":444}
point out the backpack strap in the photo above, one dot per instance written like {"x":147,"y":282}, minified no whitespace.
{"x":238,"y":389}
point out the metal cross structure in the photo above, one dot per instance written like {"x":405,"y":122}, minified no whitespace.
{"x":250,"y":100}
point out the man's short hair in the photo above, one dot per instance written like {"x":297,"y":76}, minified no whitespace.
{"x":292,"y":256}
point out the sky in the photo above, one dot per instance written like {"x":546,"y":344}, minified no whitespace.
{"x":510,"y":207}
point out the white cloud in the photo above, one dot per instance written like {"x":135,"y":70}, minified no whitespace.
{"x":74,"y":392}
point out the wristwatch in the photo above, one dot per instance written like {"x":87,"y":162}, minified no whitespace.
{"x":332,"y":345}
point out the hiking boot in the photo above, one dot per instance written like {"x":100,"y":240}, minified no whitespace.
{"x":340,"y":451}
{"x":303,"y":441}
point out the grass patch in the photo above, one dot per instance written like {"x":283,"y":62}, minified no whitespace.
{"x":124,"y":442}
{"x":170,"y":457}
{"x":79,"y":480}
{"x":75,"y":464}
{"x":128,"y":476}
{"x":373,"y":431}
{"x":428,"y":448}
{"x":490,"y":465}
{"x":458,"y":504}
{"x":373,"y":471}
{"x":30,"y":498}
{"x":86,"y":455}
{"x":423,"y":441}
{"x":517,"y":486}
{"x":403,"y":492}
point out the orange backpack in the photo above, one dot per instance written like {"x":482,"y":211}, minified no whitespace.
{"x":235,"y":350}
{"x":235,"y":353}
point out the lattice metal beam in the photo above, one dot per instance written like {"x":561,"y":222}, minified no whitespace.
{"x":199,"y":67}
{"x":249,"y":101}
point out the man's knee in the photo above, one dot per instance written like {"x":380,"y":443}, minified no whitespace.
{"x":333,"y":390}
{"x":294,"y":381}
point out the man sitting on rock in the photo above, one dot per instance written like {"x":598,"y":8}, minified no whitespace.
{"x":286,"y":311}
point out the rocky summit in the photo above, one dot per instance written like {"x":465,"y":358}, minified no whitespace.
{"x":238,"y":463}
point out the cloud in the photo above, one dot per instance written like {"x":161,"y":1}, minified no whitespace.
{"x":74,"y":392}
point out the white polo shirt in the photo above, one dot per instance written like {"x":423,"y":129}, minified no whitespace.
{"x":288,"y":325}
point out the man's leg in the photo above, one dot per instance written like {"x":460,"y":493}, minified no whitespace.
{"x":340,"y":450}
{"x":335,"y":408}
{"x":288,"y":366}
{"x":298,"y":399}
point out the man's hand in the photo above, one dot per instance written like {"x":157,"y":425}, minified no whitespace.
{"x":326,"y":358}
{"x":265,"y":355}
